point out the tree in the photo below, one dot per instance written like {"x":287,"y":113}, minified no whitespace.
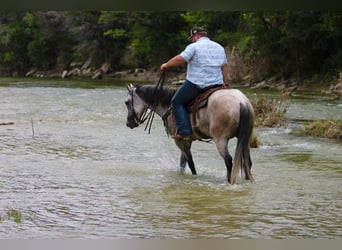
{"x":222,"y":26}
{"x":157,"y":36}
{"x":32,"y":40}
{"x":14,"y":40}
{"x":300,"y":43}
{"x":116,"y":35}
{"x":294,"y":43}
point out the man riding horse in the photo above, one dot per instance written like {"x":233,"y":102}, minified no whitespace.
{"x":228,"y":113}
{"x":206,"y":67}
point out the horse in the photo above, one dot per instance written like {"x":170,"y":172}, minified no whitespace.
{"x":227,"y":114}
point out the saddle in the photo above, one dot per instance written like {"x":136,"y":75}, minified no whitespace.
{"x":198,"y":103}
{"x":201,"y":101}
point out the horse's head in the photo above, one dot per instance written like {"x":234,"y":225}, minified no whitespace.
{"x":135,"y":107}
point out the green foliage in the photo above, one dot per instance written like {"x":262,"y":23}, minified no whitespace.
{"x":28,"y":44}
{"x":196,"y":18}
{"x":296,"y":43}
{"x":15,"y":215}
{"x":156,"y":36}
{"x":116,"y":33}
{"x":12,"y":214}
{"x":8,"y":57}
{"x":29,"y":20}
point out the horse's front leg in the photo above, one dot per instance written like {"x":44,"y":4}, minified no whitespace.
{"x":186,"y":156}
{"x":190,"y":161}
{"x":182,"y":163}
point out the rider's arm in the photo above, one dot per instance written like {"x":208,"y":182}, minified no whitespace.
{"x":173,"y":62}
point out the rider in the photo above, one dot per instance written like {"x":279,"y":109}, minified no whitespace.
{"x":206,"y":66}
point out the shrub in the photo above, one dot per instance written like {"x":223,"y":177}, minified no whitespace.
{"x":270,"y":112}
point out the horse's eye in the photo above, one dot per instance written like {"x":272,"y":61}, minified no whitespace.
{"x":127,"y":102}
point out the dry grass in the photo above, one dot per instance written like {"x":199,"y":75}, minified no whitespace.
{"x":324,"y":128}
{"x":255,"y":141}
{"x":270,"y":112}
{"x":246,"y":71}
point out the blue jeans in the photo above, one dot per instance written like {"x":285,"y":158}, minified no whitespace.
{"x":185,"y":94}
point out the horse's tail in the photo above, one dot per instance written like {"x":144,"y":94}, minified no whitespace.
{"x":242,"y":152}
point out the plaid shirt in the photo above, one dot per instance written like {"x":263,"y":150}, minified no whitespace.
{"x":204,"y":58}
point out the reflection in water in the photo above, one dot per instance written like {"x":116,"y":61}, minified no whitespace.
{"x":84,"y":174}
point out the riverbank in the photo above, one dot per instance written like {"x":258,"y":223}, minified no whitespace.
{"x":332,"y":88}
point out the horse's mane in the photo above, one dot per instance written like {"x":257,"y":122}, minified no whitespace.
{"x":149,"y":93}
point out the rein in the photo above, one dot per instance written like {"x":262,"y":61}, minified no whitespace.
{"x":157,"y":91}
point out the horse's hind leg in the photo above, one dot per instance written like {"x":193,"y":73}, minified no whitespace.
{"x":222,"y":148}
{"x":248,"y":166}
{"x":229,"y":164}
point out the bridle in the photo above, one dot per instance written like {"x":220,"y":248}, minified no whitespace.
{"x":143,"y":116}
{"x":149,"y":112}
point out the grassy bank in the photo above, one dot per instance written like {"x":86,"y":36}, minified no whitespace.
{"x":270,"y":112}
{"x":331,"y":129}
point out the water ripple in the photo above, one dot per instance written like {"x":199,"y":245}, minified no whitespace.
{"x":77,"y":171}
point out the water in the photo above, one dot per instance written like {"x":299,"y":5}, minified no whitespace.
{"x":74,"y":170}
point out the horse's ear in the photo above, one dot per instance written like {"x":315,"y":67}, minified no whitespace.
{"x":130,"y":87}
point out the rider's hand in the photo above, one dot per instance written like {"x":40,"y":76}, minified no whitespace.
{"x":163,"y":66}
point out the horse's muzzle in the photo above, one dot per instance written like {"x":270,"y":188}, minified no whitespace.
{"x":132,"y":123}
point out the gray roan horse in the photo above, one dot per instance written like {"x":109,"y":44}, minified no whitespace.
{"x":228,"y":114}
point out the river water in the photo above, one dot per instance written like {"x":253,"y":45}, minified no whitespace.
{"x":73,"y":169}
